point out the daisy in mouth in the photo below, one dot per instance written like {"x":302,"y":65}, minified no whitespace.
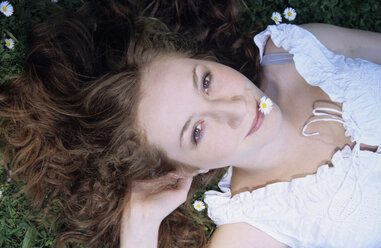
{"x":266,"y":105}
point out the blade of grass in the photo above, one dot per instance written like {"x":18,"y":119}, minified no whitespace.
{"x":30,"y":237}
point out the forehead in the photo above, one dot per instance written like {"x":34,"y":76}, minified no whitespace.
{"x":167,"y":86}
{"x":166,"y":72}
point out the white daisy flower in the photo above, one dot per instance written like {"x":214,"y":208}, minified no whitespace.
{"x":266,"y":105}
{"x":276,"y":17}
{"x":199,"y":205}
{"x":9,"y":43}
{"x":6,"y":8}
{"x":289,"y":14}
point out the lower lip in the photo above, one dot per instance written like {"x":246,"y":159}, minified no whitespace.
{"x":257,"y":122}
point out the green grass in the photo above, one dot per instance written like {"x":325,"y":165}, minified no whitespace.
{"x":19,"y":226}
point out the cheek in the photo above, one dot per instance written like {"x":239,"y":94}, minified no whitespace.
{"x":229,"y":85}
{"x":220,"y":149}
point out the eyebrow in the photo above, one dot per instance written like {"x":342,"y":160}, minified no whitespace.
{"x":186,"y":125}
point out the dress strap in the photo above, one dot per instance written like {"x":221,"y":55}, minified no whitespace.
{"x":277,"y":58}
{"x":322,"y":113}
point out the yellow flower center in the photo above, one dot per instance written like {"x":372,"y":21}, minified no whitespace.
{"x":289,"y":14}
{"x":264,"y":105}
{"x":8,"y":43}
{"x":4,"y":8}
{"x":276,"y":18}
{"x":198,"y":206}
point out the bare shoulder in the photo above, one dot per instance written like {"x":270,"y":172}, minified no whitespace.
{"x":242,"y":235}
{"x":333,"y":37}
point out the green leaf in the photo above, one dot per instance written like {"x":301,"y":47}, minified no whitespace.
{"x":30,"y":237}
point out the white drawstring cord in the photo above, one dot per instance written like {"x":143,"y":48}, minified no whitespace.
{"x":315,"y":113}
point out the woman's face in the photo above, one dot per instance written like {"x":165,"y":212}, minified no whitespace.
{"x":200,"y":113}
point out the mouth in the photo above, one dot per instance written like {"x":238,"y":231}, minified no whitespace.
{"x":257,"y":122}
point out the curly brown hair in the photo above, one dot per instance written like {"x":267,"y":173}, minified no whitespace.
{"x":70,"y":118}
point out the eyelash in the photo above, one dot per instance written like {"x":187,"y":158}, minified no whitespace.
{"x":199,"y":130}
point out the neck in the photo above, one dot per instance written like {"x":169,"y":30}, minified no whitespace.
{"x":287,"y":161}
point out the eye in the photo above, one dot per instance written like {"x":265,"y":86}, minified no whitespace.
{"x":206,"y":81}
{"x":197,"y":133}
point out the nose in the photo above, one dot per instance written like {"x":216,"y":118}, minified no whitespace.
{"x":230,"y":110}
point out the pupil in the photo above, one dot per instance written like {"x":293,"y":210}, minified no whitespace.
{"x":197,"y":132}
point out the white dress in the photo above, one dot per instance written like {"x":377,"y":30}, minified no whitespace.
{"x":339,"y":206}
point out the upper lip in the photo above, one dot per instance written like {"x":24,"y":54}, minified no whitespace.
{"x":255,"y":120}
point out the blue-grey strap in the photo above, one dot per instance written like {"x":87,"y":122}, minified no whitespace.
{"x":277,"y":58}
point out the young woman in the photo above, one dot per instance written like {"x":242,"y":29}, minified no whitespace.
{"x":118,"y":131}
{"x":291,"y":185}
